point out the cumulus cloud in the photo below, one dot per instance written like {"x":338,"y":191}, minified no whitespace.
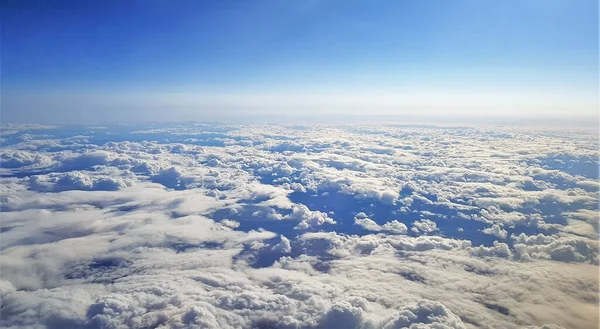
{"x":564,"y":250}
{"x":230,"y":223}
{"x":393,"y":226}
{"x":171,"y":177}
{"x":426,"y":314}
{"x":19,"y":158}
{"x":498,"y":249}
{"x":496,"y":230}
{"x":86,"y":160}
{"x":307,"y":217}
{"x":77,"y":180}
{"x":275,"y":226}
{"x":424,"y":226}
{"x":284,"y":245}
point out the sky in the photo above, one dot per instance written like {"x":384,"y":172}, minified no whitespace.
{"x":89,"y":61}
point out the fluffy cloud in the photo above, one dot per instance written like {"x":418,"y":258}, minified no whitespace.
{"x":393,"y":226}
{"x":307,"y":217}
{"x":77,"y":180}
{"x":252,"y":226}
{"x":424,"y":226}
{"x":17,"y":158}
{"x":496,"y":230}
{"x":283,"y":246}
{"x":426,"y":314}
{"x":498,"y":249}
{"x":564,"y":250}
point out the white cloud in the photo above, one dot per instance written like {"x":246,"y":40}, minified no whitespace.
{"x":89,"y":241}
{"x":496,"y":230}
{"x":77,"y":180}
{"x":283,"y":246}
{"x":307,"y":217}
{"x":426,"y":314}
{"x":498,"y":249}
{"x":425,"y":226}
{"x":17,"y":158}
{"x":393,"y":226}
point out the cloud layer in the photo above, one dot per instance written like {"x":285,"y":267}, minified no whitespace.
{"x":291,"y":226}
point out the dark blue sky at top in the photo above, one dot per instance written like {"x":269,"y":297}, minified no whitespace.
{"x":74,"y":60}
{"x":50,"y":43}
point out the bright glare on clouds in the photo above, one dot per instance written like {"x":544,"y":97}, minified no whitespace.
{"x":298,"y":226}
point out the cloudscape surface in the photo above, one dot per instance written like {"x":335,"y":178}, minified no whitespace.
{"x":298,"y":226}
{"x":308,"y":164}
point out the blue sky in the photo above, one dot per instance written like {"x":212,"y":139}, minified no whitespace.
{"x":76,"y":60}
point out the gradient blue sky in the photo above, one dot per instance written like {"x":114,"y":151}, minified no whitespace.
{"x":159,"y":60}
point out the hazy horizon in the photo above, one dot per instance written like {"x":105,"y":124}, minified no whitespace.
{"x":84,"y":61}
